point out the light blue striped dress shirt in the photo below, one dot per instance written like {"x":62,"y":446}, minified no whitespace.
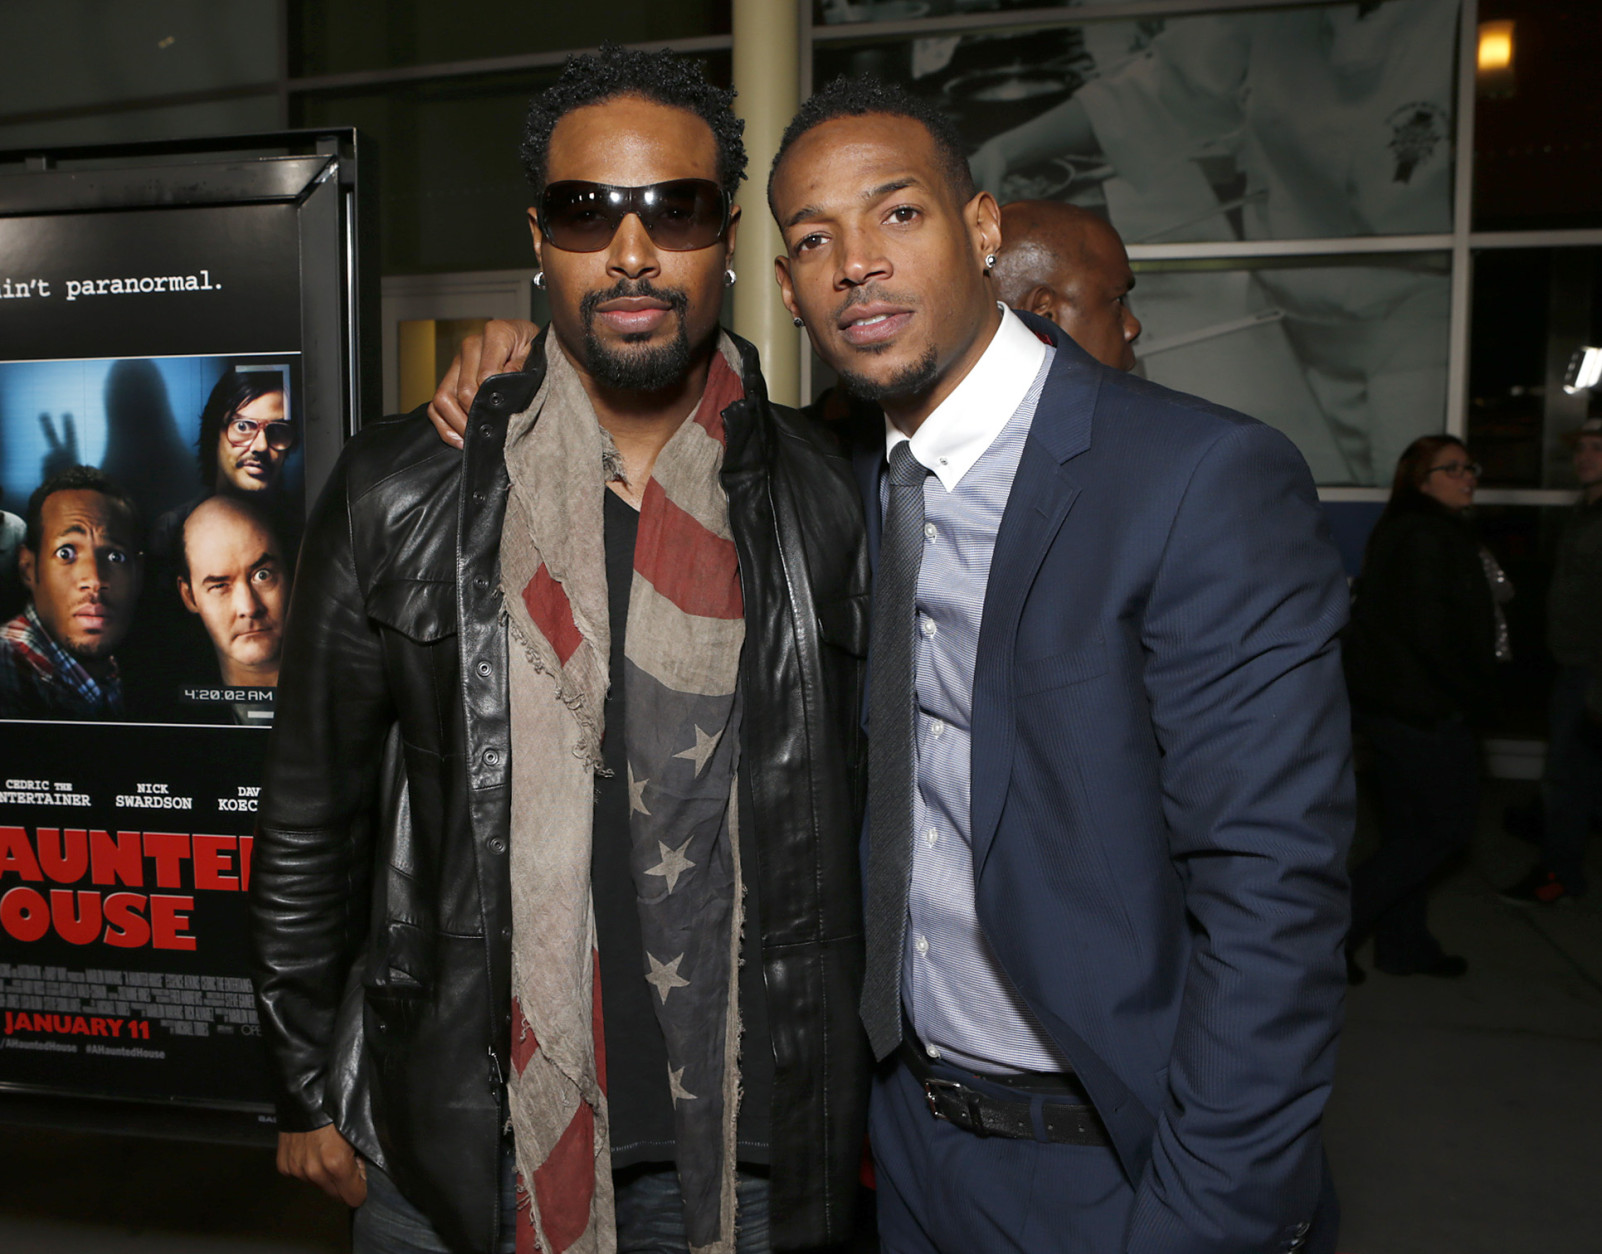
{"x":956,"y":996}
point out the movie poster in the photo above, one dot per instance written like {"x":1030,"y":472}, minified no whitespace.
{"x":152,"y":497}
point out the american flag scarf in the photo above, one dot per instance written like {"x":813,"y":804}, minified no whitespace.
{"x":682,"y":652}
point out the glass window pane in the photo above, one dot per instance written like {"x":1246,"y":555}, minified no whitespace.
{"x":1532,"y":308}
{"x":451,"y":188}
{"x":1347,"y":356}
{"x":340,"y":36}
{"x":79,"y":52}
{"x":1538,"y":116}
{"x":1279,"y":124}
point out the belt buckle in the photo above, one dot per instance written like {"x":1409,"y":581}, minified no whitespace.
{"x":966,"y":1096}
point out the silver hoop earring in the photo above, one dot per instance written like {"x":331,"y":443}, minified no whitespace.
{"x":539,"y":279}
{"x":798,"y":322}
{"x":990,"y":261}
{"x":728,"y":278}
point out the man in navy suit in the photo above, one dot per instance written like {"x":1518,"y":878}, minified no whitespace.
{"x":1110,"y":787}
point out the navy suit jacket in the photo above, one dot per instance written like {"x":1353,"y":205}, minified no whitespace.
{"x":1162,"y":793}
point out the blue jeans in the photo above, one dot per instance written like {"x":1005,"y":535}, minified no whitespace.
{"x":650,"y":1211}
{"x":1572,"y":787}
{"x":650,"y":1215}
{"x":386,"y":1223}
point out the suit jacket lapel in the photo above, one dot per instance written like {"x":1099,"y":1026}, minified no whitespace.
{"x":1042,"y":494}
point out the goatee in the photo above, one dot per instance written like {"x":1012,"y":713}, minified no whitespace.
{"x":652,"y":369}
{"x":910,"y":380}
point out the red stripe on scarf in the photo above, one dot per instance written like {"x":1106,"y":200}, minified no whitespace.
{"x":685,"y":562}
{"x":564,"y":1183}
{"x":523,"y":1043}
{"x":552,"y":613}
{"x":723,"y":388}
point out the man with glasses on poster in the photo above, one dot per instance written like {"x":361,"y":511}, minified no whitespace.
{"x":246,"y":437}
{"x":605,"y":938}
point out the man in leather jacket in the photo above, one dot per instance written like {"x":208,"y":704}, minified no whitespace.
{"x":383,"y":892}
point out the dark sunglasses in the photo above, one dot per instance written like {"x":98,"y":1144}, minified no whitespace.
{"x":680,"y":215}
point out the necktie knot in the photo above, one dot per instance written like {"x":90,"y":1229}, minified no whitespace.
{"x":906,"y":471}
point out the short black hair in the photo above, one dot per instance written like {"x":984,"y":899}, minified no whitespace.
{"x":77,"y":479}
{"x":854,"y":97}
{"x":236,"y":389}
{"x":664,"y":77}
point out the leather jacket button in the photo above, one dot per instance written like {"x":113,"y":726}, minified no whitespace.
{"x":496,"y":400}
{"x":480,"y":582}
{"x":506,"y":934}
{"x":478,"y":498}
{"x":484,"y":669}
{"x":496,"y":844}
{"x":492,"y":757}
{"x":485,"y":429}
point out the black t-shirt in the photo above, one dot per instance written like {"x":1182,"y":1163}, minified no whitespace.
{"x":640,"y":1110}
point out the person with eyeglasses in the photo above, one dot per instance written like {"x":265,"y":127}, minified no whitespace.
{"x":1426,"y":637}
{"x":246,"y":437}
{"x":555,"y":894}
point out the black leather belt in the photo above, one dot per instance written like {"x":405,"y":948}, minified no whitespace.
{"x":1067,"y":1117}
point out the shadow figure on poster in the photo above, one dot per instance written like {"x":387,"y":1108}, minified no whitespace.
{"x":144,"y":452}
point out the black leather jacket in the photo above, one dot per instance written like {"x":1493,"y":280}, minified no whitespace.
{"x":379,"y":895}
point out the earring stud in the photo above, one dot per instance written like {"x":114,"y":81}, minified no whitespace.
{"x":539,"y":279}
{"x":798,"y":322}
{"x":990,"y":261}
{"x":728,"y":278}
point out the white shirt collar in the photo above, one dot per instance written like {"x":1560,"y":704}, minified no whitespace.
{"x":964,"y":425}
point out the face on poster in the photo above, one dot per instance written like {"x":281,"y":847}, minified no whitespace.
{"x":1304,"y":123}
{"x":152,"y":497}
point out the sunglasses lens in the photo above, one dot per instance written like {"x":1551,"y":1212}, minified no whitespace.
{"x":579,"y":217}
{"x":684,"y":214}
{"x":681,"y":215}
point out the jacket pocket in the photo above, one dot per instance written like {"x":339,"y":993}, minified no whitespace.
{"x":423,"y":610}
{"x":843,"y":622}
{"x":1058,"y":670}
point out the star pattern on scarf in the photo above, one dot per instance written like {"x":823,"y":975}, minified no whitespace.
{"x":676,"y":1088}
{"x":701,"y":750}
{"x":673,"y":864}
{"x":637,"y":793}
{"x":664,"y":976}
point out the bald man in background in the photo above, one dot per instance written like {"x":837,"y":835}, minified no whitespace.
{"x":1069,"y":266}
{"x":1059,"y":261}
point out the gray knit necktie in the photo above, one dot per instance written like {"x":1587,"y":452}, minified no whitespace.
{"x":892,"y":747}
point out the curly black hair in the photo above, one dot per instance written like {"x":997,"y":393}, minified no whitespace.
{"x":852,"y":97}
{"x":665,"y":77}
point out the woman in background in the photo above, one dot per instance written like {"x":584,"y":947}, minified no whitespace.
{"x":1427,"y":632}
